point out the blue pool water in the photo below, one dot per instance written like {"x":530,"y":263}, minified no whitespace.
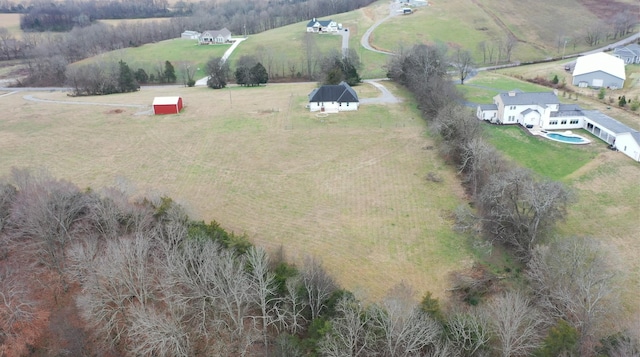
{"x":566,"y":139}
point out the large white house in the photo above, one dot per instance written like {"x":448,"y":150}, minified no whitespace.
{"x":215,"y":37}
{"x":320,"y":26}
{"x":543,"y":111}
{"x":333,"y":98}
{"x":599,"y":70}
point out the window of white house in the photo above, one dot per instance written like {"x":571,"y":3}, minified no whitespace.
{"x":553,"y":122}
{"x":574,"y":121}
{"x":563,"y":122}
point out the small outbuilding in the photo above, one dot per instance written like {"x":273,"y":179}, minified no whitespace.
{"x":167,"y":105}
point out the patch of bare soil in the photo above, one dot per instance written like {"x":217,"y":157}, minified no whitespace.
{"x":608,"y":9}
{"x":114,"y":111}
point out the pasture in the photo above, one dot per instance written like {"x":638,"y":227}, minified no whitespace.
{"x":151,"y":57}
{"x":12,"y":23}
{"x":349,"y":188}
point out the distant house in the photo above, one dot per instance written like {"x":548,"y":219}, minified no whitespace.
{"x":333,"y":98}
{"x":599,"y":70}
{"x":190,"y":35}
{"x":215,"y":37}
{"x":543,"y":111}
{"x":629,"y":54}
{"x":319,"y":26}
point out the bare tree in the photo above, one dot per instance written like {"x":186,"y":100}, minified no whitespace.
{"x":155,"y":333}
{"x":456,"y":126}
{"x":478,"y":162}
{"x":464,"y":64}
{"x":44,"y":212}
{"x":351,"y":333}
{"x":516,"y":324}
{"x":8,"y":193}
{"x":263,"y":284}
{"x":574,"y":280}
{"x":311,"y":54}
{"x":121,"y":275}
{"x":509,"y":45}
{"x":17,"y":309}
{"x":519,"y":210}
{"x":318,"y":285}
{"x":289,"y":309}
{"x":594,"y":33}
{"x":468,"y":331}
{"x":404,"y":329}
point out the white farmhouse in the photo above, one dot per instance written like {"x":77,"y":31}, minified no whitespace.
{"x":599,"y":70}
{"x":320,"y":26}
{"x":543,"y":111}
{"x":333,"y":98}
{"x":215,"y":37}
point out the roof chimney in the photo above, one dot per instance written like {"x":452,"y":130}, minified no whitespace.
{"x":512,"y":93}
{"x":314,"y":19}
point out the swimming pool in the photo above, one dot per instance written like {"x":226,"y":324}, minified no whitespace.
{"x":567,"y":138}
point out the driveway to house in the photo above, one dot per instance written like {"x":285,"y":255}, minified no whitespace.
{"x":364,"y":41}
{"x":345,"y":41}
{"x":386,"y":97}
{"x":227,"y":53}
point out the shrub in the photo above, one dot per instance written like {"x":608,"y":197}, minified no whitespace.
{"x":601,"y":94}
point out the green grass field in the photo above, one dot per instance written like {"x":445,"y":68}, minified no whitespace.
{"x":349,"y":188}
{"x":178,"y":51}
{"x":551,"y":159}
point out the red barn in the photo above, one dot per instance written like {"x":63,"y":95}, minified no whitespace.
{"x":167,"y":105}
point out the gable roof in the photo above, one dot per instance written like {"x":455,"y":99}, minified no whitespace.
{"x":166,"y":100}
{"x":624,"y":51}
{"x":341,"y":93}
{"x":215,"y":33}
{"x":537,"y":98}
{"x":600,"y":62}
{"x":529,"y":110}
{"x":324,"y":23}
{"x":635,"y":48}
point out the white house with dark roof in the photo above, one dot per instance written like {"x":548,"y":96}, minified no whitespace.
{"x":543,"y":111}
{"x":333,"y":98}
{"x":323,"y":26}
{"x":599,"y":70}
{"x":629,"y":54}
{"x":215,"y":37}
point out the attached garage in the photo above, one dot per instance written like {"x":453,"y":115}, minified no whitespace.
{"x":167,"y":105}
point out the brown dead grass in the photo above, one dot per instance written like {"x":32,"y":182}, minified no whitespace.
{"x":349,"y":189}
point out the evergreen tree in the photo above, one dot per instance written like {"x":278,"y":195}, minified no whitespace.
{"x":623,"y":101}
{"x":258,"y":74}
{"x":141,"y":76}
{"x":126,"y":79}
{"x":169,"y":72}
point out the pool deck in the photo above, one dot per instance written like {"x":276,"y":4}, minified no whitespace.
{"x":538,"y":131}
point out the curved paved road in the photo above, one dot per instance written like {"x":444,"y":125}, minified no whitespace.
{"x":364,"y":41}
{"x":386,"y":97}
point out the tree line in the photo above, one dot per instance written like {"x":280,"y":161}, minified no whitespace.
{"x":147,"y":280}
{"x":571,"y":287}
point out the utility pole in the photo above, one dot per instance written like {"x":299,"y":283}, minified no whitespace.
{"x":564,"y":47}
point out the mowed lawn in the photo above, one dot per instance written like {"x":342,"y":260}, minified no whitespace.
{"x":349,"y":188}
